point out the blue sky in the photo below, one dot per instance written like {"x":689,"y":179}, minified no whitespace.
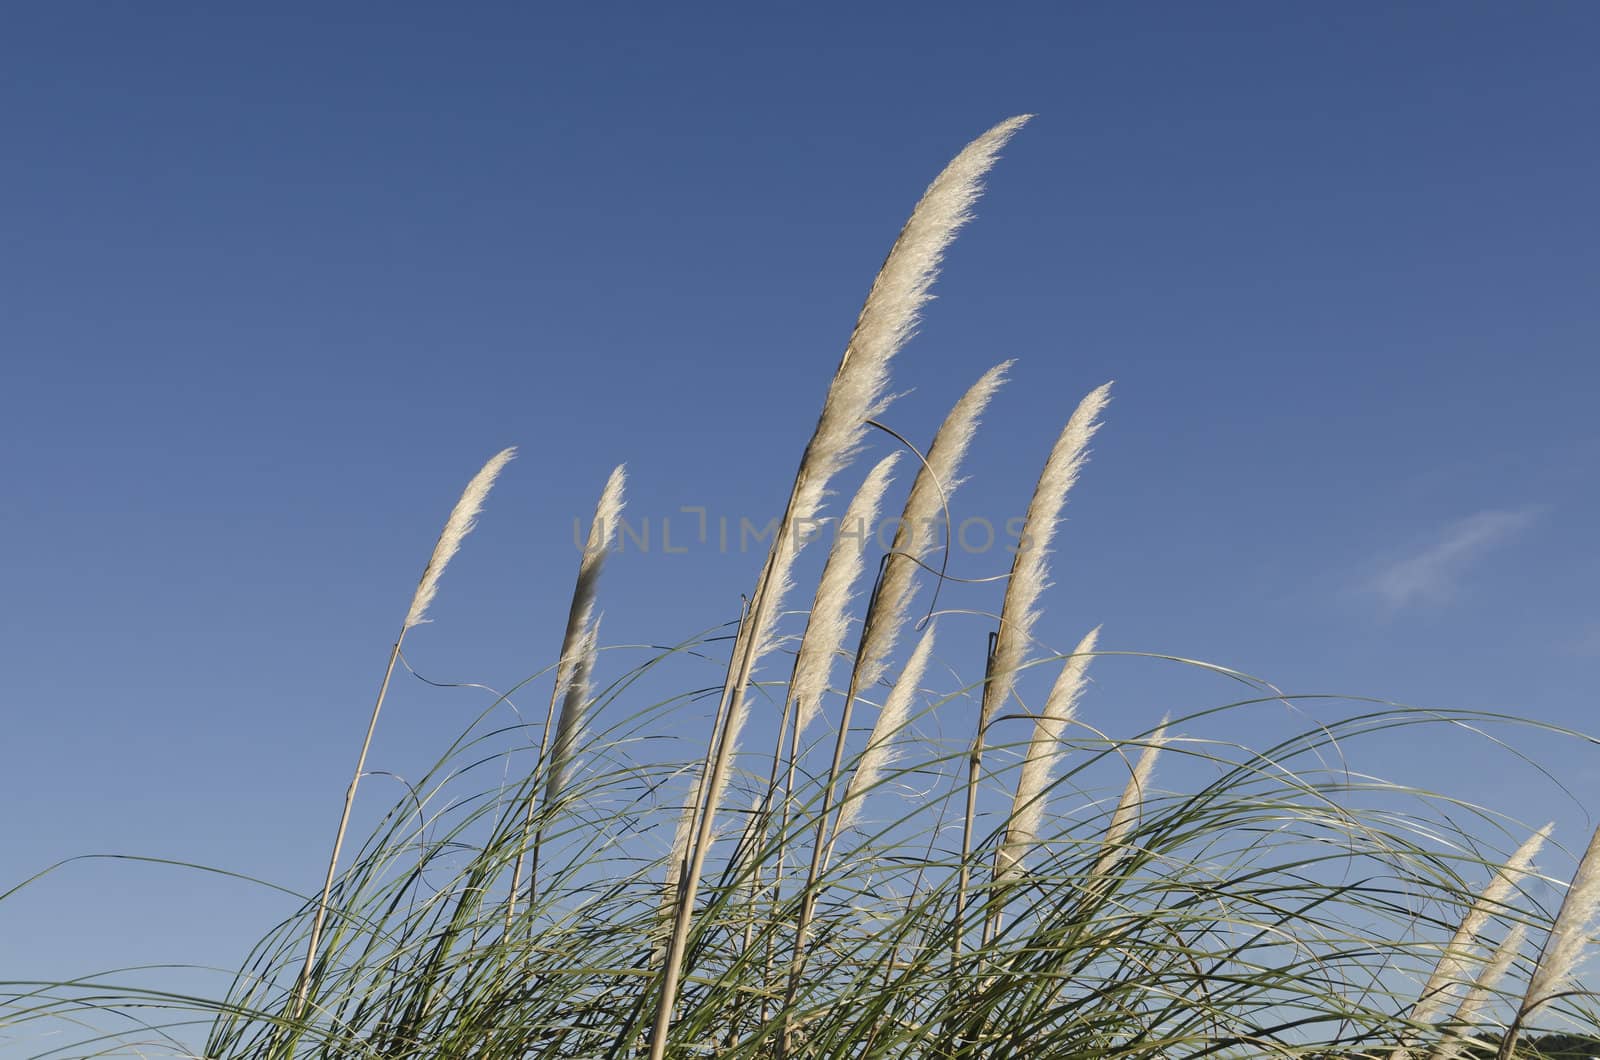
{"x":275,"y":283}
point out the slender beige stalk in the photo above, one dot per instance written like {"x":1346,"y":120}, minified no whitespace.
{"x":747,"y":877}
{"x":856,"y":394}
{"x":829,"y":620}
{"x":1458,"y":954}
{"x":1126,"y":816}
{"x":1470,"y":1011}
{"x":460,"y":523}
{"x":914,"y":538}
{"x":883,"y":745}
{"x":1029,"y":570}
{"x":1044,"y":752}
{"x":1563,"y":950}
{"x":681,"y":855}
{"x":603,"y":530}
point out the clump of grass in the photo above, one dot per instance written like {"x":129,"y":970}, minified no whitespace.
{"x":1242,"y":903}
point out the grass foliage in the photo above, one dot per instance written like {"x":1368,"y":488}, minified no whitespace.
{"x":1164,"y":893}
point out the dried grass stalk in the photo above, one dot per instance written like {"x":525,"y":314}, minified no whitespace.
{"x":460,"y":523}
{"x":603,"y":530}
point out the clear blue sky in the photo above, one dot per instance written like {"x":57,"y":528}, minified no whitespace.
{"x":274,"y":284}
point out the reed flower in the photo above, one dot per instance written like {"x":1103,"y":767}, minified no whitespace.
{"x":578,"y":640}
{"x":1563,"y":950}
{"x":1030,"y":567}
{"x":1453,"y":963}
{"x":462,"y":519}
{"x":881,"y":751}
{"x":574,"y":704}
{"x":1126,"y":816}
{"x":825,"y":630}
{"x":577,"y":650}
{"x":603,"y":529}
{"x":931,"y":490}
{"x":1470,"y":1011}
{"x":889,"y":317}
{"x":1017,"y":608}
{"x":1043,"y":754}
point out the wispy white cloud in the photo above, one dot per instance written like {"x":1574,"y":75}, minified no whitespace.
{"x":1435,"y":572}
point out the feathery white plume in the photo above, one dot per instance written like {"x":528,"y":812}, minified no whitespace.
{"x":826,"y":628}
{"x":574,"y":707}
{"x":458,"y":526}
{"x":882,"y":744}
{"x":1564,"y":949}
{"x":685,"y":830}
{"x":603,"y":531}
{"x":1044,"y":752}
{"x":930,"y":491}
{"x":886,"y":321}
{"x":1452,"y":966}
{"x":1029,"y":568}
{"x":1482,"y":992}
{"x":1126,"y":815}
{"x":577,"y":651}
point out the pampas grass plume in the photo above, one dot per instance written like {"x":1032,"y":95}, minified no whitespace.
{"x":826,"y":628}
{"x":1453,"y":963}
{"x":1044,"y":752}
{"x":1029,"y":569}
{"x":603,"y":531}
{"x":930,"y":491}
{"x":1564,"y":949}
{"x":887,"y":319}
{"x":1483,"y":990}
{"x":462,"y":519}
{"x":574,"y":705}
{"x":578,"y":646}
{"x":881,"y":745}
{"x":1126,"y":815}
